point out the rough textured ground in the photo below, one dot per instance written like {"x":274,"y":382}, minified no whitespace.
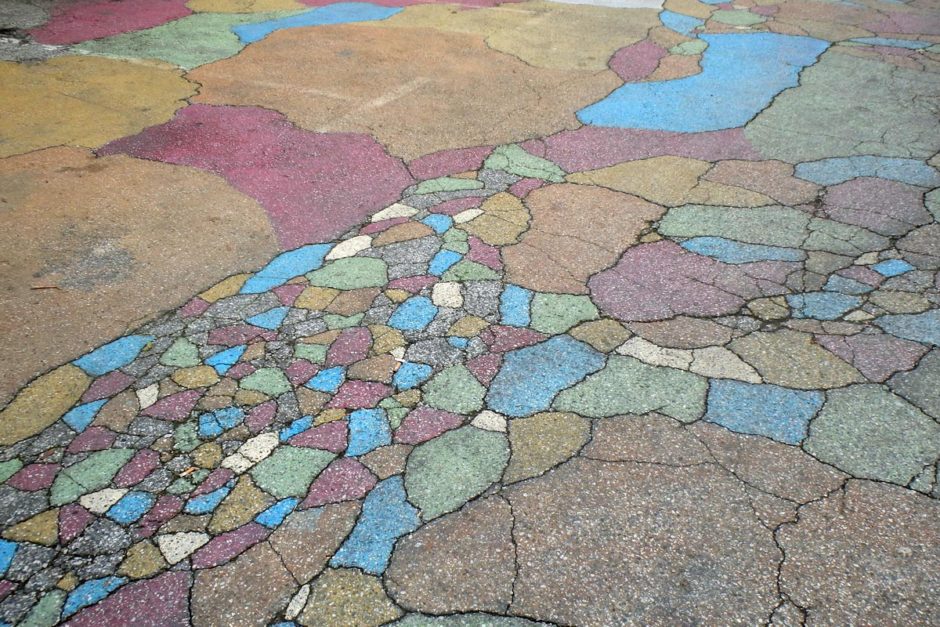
{"x":415,"y":313}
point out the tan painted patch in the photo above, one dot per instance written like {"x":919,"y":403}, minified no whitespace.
{"x":773,"y":178}
{"x":391,"y":81}
{"x":84,"y":101}
{"x":504,"y":219}
{"x":244,"y":6}
{"x":42,"y":403}
{"x":576,"y":231}
{"x":581,"y":37}
{"x":111,"y":241}
{"x":692,"y":8}
{"x":662,"y":180}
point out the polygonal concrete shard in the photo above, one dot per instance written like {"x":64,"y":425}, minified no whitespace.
{"x":347,"y":596}
{"x":870,"y":433}
{"x":576,"y":230}
{"x":601,"y":543}
{"x":583,"y":38}
{"x":683,"y":332}
{"x":865,"y":556}
{"x":84,"y":101}
{"x":307,"y":539}
{"x":792,"y":359}
{"x":401,"y":79}
{"x":543,"y":441}
{"x":231,"y":594}
{"x":663,"y":180}
{"x":785,"y":471}
{"x":773,"y":178}
{"x":462,"y":562}
{"x":651,"y":439}
{"x":919,"y":386}
{"x":846,"y":106}
{"x":104,"y":235}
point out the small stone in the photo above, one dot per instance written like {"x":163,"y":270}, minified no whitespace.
{"x":242,"y":504}
{"x":468,"y":326}
{"x":269,"y":381}
{"x":181,"y":354}
{"x":447,"y":295}
{"x":490,"y":421}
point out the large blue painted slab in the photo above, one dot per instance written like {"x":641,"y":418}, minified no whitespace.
{"x":758,"y":409}
{"x":341,"y":13}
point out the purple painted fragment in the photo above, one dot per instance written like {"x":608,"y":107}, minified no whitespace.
{"x":34,"y":477}
{"x":346,"y":479}
{"x":331,"y":437}
{"x":359,"y":395}
{"x":636,"y":61}
{"x":159,"y":602}
{"x":261,"y":416}
{"x":139,"y":468}
{"x":424,"y":424}
{"x":449,"y":162}
{"x":175,"y":407}
{"x":106,"y":386}
{"x":227,"y":546}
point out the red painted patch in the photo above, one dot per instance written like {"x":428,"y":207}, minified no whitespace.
{"x":82,"y":20}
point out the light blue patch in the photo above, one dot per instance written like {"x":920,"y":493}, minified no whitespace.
{"x":90,"y":593}
{"x":514,"y":306}
{"x":386,"y":516}
{"x":275,"y":515}
{"x":224,"y":360}
{"x":730,"y":251}
{"x":113,"y":355}
{"x":822,"y":305}
{"x":758,"y":409}
{"x":845,"y":285}
{"x":340,"y":13}
{"x":7,"y":551}
{"x":684,"y":24}
{"x":410,"y":375}
{"x":80,"y":417}
{"x":840,"y":169}
{"x":327,"y":380}
{"x":206,"y":503}
{"x":270,"y":319}
{"x":741,"y":74}
{"x":439,"y":222}
{"x":414,"y":314}
{"x":213,"y":424}
{"x":368,"y":430}
{"x":298,"y":426}
{"x":531,"y":377}
{"x":442,"y":261}
{"x":285,"y":267}
{"x":131,"y":507}
{"x":892,"y":43}
{"x":922,"y":327}
{"x":892,"y":267}
{"x":458,"y":342}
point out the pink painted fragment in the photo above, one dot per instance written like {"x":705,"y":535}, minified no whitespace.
{"x":166,"y":507}
{"x":521,"y":189}
{"x":92,"y":439}
{"x":139,"y":468}
{"x":413,"y":284}
{"x":239,"y":371}
{"x":637,"y":61}
{"x":239,"y":334}
{"x":351,"y":346}
{"x":261,"y":416}
{"x":483,"y":253}
{"x":877,"y":356}
{"x":424,"y":424}
{"x":300,"y":371}
{"x":34,"y":477}
{"x":449,"y":162}
{"x":159,"y":602}
{"x":81,"y":20}
{"x":502,"y":339}
{"x":359,"y":395}
{"x":346,"y":479}
{"x":287,"y":294}
{"x":862,"y":274}
{"x":455,"y":206}
{"x":591,"y":147}
{"x":216,"y":479}
{"x":227,"y":546}
{"x":108,"y":385}
{"x":314,"y":186}
{"x":193,"y":308}
{"x":895,"y":22}
{"x":331,"y":437}
{"x":6,"y":587}
{"x":175,"y":407}
{"x":73,"y":518}
{"x":887,"y":207}
{"x":485,"y":367}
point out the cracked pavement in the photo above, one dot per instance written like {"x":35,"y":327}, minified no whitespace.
{"x":617,"y":312}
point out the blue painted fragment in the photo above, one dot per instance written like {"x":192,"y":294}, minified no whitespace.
{"x":439,"y":222}
{"x":7,"y":551}
{"x":458,"y":342}
{"x":891,"y":42}
{"x":90,"y":593}
{"x":730,"y":251}
{"x":80,"y":417}
{"x":275,"y":515}
{"x":840,"y":169}
{"x":442,"y":261}
{"x":270,"y":319}
{"x":923,"y":327}
{"x":368,"y":430}
{"x":131,"y":507}
{"x":531,"y":377}
{"x":298,"y":426}
{"x":822,"y":305}
{"x":845,"y":285}
{"x":414,"y":314}
{"x":892,"y":267}
{"x":215,"y":423}
{"x":340,"y":13}
{"x":778,"y":413}
{"x":285,"y":267}
{"x":386,"y":516}
{"x":741,"y":74}
{"x":684,"y":24}
{"x":206,"y":503}
{"x":223,"y":360}
{"x":327,"y":380}
{"x":410,"y":375}
{"x":113,"y":355}
{"x":514,"y":306}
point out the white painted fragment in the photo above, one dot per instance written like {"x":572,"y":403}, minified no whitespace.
{"x":350,"y":247}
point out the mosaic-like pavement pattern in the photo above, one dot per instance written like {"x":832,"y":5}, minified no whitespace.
{"x":587,"y":313}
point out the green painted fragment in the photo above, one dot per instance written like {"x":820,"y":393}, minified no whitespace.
{"x":446,"y":472}
{"x":470,"y":271}
{"x":458,"y":247}
{"x":396,"y":415}
{"x":186,"y":437}
{"x":515,"y":160}
{"x":556,"y":313}
{"x":336,"y":321}
{"x":181,"y":486}
{"x":182,"y":354}
{"x":772,"y":226}
{"x":628,"y":386}
{"x":932,"y":201}
{"x":9,"y":468}
{"x":447,"y":184}
{"x":270,"y":381}
{"x":842,"y":239}
{"x":92,"y":473}
{"x":454,"y":389}
{"x":46,"y":612}
{"x":873,"y":434}
{"x":351,"y":274}
{"x":737,"y":17}
{"x":311,"y":352}
{"x":454,"y":235}
{"x":187,"y":42}
{"x":290,"y":470}
{"x":689,"y":48}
